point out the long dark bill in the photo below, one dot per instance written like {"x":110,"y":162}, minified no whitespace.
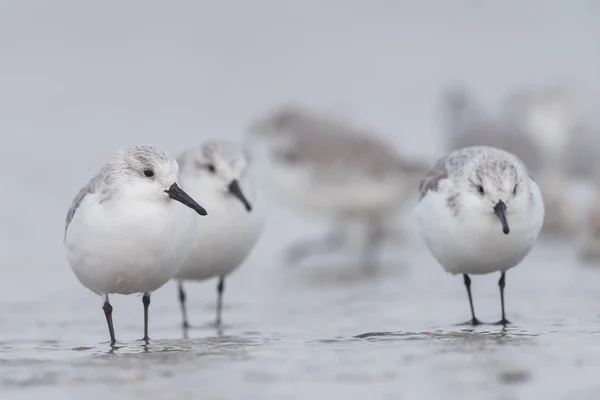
{"x":500,"y":211}
{"x":234,"y":189}
{"x":177,"y":194}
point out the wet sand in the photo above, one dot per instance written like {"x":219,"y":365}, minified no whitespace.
{"x":291,"y":332}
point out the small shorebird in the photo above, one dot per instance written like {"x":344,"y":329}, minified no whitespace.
{"x":128,"y":230}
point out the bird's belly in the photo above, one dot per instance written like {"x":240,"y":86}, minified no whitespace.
{"x":480,"y":247}
{"x":131,"y":253}
{"x":474,"y":244}
{"x":223,"y":241}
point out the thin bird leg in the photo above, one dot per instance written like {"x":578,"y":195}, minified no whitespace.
{"x":146,"y":302}
{"x":109,"y":321}
{"x":300,"y":250}
{"x":467,"y":280}
{"x":220,"y":290}
{"x":185,"y":325}
{"x":502,"y":284}
{"x":375,"y":235}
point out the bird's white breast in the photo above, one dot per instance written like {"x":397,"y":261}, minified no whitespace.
{"x":226,"y":235}
{"x":473,"y":243}
{"x":126,"y":245}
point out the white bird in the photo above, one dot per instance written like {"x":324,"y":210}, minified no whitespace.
{"x":124,"y":234}
{"x":479,"y":212}
{"x":216,"y":174}
{"x":325,"y":167}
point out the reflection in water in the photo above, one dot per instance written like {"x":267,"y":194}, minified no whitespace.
{"x":122,"y":363}
{"x":468,"y":336}
{"x":210,"y":345}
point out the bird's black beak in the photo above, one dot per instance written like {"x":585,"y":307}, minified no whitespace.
{"x":234,"y":189}
{"x":177,"y":193}
{"x":500,"y":211}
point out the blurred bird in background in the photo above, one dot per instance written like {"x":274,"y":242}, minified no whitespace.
{"x":321,"y":165}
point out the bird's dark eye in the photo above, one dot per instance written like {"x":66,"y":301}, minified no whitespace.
{"x":515,"y":189}
{"x":149,"y":173}
{"x":211,"y":168}
{"x":480,"y":189}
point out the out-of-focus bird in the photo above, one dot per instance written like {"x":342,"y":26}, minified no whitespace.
{"x":335,"y":171}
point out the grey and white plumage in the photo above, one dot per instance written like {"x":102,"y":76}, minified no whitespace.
{"x":490,"y":167}
{"x":216,"y":173}
{"x":123,"y":167}
{"x":479,"y":212}
{"x":129,"y":228}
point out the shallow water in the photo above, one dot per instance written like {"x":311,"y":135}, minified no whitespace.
{"x":291,"y":332}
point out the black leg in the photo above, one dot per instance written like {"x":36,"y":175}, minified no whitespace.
{"x":185,"y":325}
{"x":502,"y":284}
{"x":108,"y":313}
{"x":467,"y":280}
{"x":220,"y":289}
{"x":300,"y":250}
{"x":146,"y":302}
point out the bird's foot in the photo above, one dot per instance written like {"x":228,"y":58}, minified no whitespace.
{"x":503,"y":322}
{"x":472,"y":322}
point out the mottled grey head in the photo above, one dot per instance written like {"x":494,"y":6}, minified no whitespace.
{"x":145,"y":161}
{"x":147,"y":172}
{"x":217,"y":163}
{"x":143,"y":172}
{"x":495,"y":181}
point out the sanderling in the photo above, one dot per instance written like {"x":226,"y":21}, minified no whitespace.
{"x":479,"y":212}
{"x":123,"y":233}
{"x":216,"y":174}
{"x":330,"y":169}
